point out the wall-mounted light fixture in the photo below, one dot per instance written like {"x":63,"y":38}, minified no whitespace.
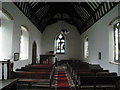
{"x":64,"y":31}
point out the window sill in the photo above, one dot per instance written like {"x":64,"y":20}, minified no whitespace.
{"x":60,"y":53}
{"x":24,"y":59}
{"x":86,"y":57}
{"x":116,"y":63}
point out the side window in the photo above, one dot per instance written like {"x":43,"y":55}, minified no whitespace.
{"x":60,"y":44}
{"x":86,"y":52}
{"x":24,"y":43}
{"x":116,"y":42}
{"x":6,"y":29}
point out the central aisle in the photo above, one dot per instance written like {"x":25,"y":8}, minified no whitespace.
{"x":62,"y":79}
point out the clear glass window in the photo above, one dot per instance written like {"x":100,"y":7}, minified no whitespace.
{"x":24,"y":42}
{"x":86,"y":52}
{"x":116,"y":42}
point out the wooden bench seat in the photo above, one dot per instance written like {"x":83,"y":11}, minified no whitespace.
{"x":92,"y":76}
{"x":39,"y":66}
{"x":106,"y":74}
{"x":40,"y":81}
{"x":95,"y":68}
{"x":35,"y":74}
{"x":49,"y":68}
{"x":105,"y":82}
{"x":97,"y":82}
{"x":33,"y":80}
{"x":85,"y":74}
{"x":85,"y":82}
{"x":32,"y":75}
{"x":34,"y":70}
{"x":80,"y":74}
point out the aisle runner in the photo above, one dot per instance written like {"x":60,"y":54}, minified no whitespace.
{"x":62,"y":82}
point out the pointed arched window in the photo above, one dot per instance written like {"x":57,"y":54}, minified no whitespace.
{"x":117,"y":42}
{"x":6,"y":33}
{"x":24,"y":42}
{"x":86,"y":52}
{"x":60,"y":44}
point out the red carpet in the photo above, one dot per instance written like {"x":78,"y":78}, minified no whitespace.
{"x":62,"y":82}
{"x":61,"y":75}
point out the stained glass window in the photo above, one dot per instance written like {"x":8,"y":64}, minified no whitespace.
{"x":60,"y":44}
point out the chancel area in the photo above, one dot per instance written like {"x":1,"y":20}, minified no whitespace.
{"x":60,"y":45}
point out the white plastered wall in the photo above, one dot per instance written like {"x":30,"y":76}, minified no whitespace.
{"x":12,"y":36}
{"x":72,"y":49}
{"x":101,"y":40}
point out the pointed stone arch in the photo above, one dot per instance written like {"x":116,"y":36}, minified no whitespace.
{"x":34,"y":52}
{"x":7,"y":14}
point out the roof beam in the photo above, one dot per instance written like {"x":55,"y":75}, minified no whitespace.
{"x":36,"y":7}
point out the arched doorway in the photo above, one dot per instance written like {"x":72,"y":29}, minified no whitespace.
{"x":34,"y":52}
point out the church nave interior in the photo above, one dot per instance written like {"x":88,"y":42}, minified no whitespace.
{"x":63,"y":45}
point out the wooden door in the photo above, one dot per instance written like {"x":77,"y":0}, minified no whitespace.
{"x":34,"y":52}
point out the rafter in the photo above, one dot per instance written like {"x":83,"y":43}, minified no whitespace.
{"x":81,"y":14}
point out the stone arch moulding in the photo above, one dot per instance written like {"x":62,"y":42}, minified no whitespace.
{"x":6,"y":13}
{"x":113,"y":20}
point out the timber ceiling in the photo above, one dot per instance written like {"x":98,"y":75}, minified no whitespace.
{"x":80,"y":14}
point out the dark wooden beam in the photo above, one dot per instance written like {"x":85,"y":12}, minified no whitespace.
{"x":115,"y":3}
{"x":37,"y":7}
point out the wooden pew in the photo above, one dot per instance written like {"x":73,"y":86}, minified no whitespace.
{"x":74,"y":72}
{"x":34,"y":70}
{"x":31,"y":77}
{"x":36,"y":73}
{"x":42,"y":65}
{"x":86,"y":82}
{"x":97,"y":82}
{"x":81,"y":74}
{"x":38,"y":67}
{"x":83,"y":79}
{"x":77,"y":66}
{"x":95,"y":68}
{"x":106,"y":82}
{"x":106,"y":74}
